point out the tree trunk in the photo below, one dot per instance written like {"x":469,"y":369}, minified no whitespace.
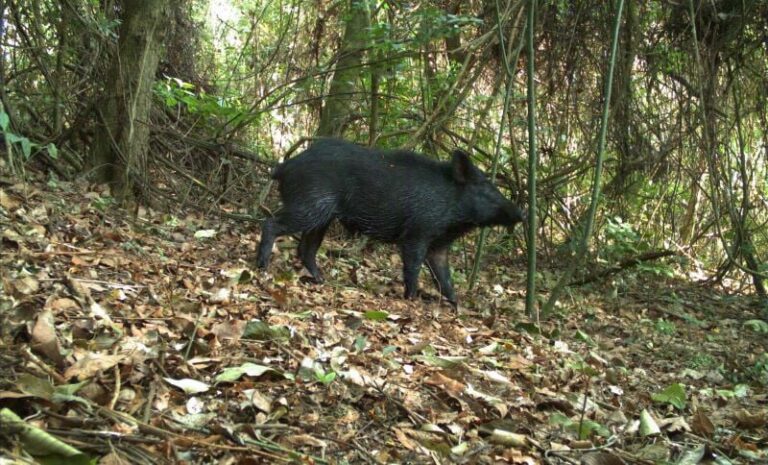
{"x":121,"y":145}
{"x":621,"y":105}
{"x":453,"y":41}
{"x":337,"y":112}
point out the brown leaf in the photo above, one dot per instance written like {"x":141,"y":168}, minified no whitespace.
{"x":92,"y":364}
{"x":62,"y":304}
{"x":13,"y":395}
{"x":25,"y":286}
{"x":581,"y":444}
{"x":8,"y":202}
{"x":404,"y":439}
{"x":11,"y":238}
{"x":44,"y":340}
{"x":449,"y":385}
{"x":518,"y":362}
{"x":702,"y":425}
{"x":748,"y":420}
{"x":508,"y":438}
{"x":516,"y":456}
{"x":280,"y":295}
{"x":113,"y":458}
{"x":110,"y":262}
{"x":741,"y":444}
{"x":305,"y":440}
{"x":674,"y":425}
{"x":601,"y":458}
{"x":229,"y":331}
{"x":259,"y":400}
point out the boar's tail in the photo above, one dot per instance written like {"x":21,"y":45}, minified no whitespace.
{"x":277,"y":171}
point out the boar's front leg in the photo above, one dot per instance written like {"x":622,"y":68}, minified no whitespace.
{"x":437,"y":261}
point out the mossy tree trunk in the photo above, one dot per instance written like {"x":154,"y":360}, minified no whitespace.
{"x":122,"y":142}
{"x":339,"y":105}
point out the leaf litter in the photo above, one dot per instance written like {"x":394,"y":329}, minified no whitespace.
{"x":151,"y":339}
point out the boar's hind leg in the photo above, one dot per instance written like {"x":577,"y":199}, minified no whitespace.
{"x":412,"y":254}
{"x":309,"y":218}
{"x":270,"y":230}
{"x":437,"y":262}
{"x":310,"y":242}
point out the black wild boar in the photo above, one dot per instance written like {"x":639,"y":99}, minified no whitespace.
{"x":420,"y":204}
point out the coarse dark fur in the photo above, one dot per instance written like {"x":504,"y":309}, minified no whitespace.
{"x":397,"y":196}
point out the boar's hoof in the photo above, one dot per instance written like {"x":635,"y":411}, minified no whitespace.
{"x":312,"y":279}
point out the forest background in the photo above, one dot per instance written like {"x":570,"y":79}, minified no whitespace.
{"x":634,"y":132}
{"x":195,"y":100}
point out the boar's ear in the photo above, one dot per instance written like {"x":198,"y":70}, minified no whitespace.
{"x":462,"y":166}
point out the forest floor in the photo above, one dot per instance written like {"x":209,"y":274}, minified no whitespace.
{"x":151,"y":339}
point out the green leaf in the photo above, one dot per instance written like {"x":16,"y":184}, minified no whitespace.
{"x":584,"y":430}
{"x":261,"y":331}
{"x":758,"y":326}
{"x":4,"y":120}
{"x":388,"y":350}
{"x":559,"y":419}
{"x":581,"y":335}
{"x":325,"y":378}
{"x":58,"y":459}
{"x":741,"y":390}
{"x":376,"y":315}
{"x":583,"y":367}
{"x":234,"y":373}
{"x":35,"y":386}
{"x":26,"y":147}
{"x":588,"y":427}
{"x":673,"y":395}
{"x":648,"y":426}
{"x":460,"y":449}
{"x":69,"y":389}
{"x":692,"y":456}
{"x":35,"y":440}
{"x":53,"y":152}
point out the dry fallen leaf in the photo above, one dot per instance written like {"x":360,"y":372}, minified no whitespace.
{"x":44,"y":338}
{"x":750,"y":421}
{"x":229,"y":332}
{"x":405,"y":441}
{"x":449,"y":385}
{"x":8,"y":202}
{"x":91,"y":364}
{"x":63,"y":304}
{"x":25,"y":286}
{"x":305,"y":440}
{"x":702,"y":425}
{"x":259,"y":400}
{"x":601,"y":458}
